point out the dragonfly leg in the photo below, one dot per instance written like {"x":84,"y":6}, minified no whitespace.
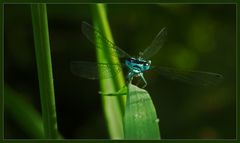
{"x":130,"y":76}
{"x":145,"y":82}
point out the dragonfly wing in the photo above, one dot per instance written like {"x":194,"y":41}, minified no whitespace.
{"x":92,"y":33}
{"x":89,"y":70}
{"x":156,"y":44}
{"x":199,"y":78}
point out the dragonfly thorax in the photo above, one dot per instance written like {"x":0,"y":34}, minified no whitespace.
{"x":138,"y":65}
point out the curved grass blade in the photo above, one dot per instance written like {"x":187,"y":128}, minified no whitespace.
{"x":89,"y":70}
{"x":199,"y":78}
{"x":121,"y":92}
{"x":24,"y":114}
{"x":156,"y":44}
{"x":92,"y":34}
{"x":140,"y":120}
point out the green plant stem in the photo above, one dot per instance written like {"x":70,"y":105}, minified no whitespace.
{"x":113,"y":105}
{"x":44,"y":67}
{"x":1,"y":72}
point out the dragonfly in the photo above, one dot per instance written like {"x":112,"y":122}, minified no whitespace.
{"x":137,"y":65}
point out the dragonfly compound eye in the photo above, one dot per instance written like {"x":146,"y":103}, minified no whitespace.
{"x":149,"y":62}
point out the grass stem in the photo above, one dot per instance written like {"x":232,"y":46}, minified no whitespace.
{"x":44,"y":67}
{"x":1,"y":71}
{"x":113,"y":105}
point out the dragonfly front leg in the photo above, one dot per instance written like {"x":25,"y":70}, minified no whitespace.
{"x":130,"y":76}
{"x":145,"y":82}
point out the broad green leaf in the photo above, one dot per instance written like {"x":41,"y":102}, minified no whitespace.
{"x":140,"y":120}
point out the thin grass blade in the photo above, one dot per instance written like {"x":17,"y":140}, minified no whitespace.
{"x":44,"y":67}
{"x":1,"y":70}
{"x":113,"y":105}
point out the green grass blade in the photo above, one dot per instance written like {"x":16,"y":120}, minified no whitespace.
{"x":140,"y":120}
{"x":1,"y":71}
{"x":44,"y":66}
{"x":24,"y":113}
{"x":113,"y":105}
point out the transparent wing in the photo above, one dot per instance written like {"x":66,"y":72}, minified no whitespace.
{"x":199,"y":78}
{"x":156,"y":44}
{"x":92,"y":34}
{"x":89,"y":70}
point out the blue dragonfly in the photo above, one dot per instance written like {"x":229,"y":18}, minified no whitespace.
{"x":137,"y":65}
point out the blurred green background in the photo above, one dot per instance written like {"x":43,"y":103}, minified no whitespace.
{"x":200,"y":37}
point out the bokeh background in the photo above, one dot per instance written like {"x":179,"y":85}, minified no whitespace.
{"x":200,"y":37}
